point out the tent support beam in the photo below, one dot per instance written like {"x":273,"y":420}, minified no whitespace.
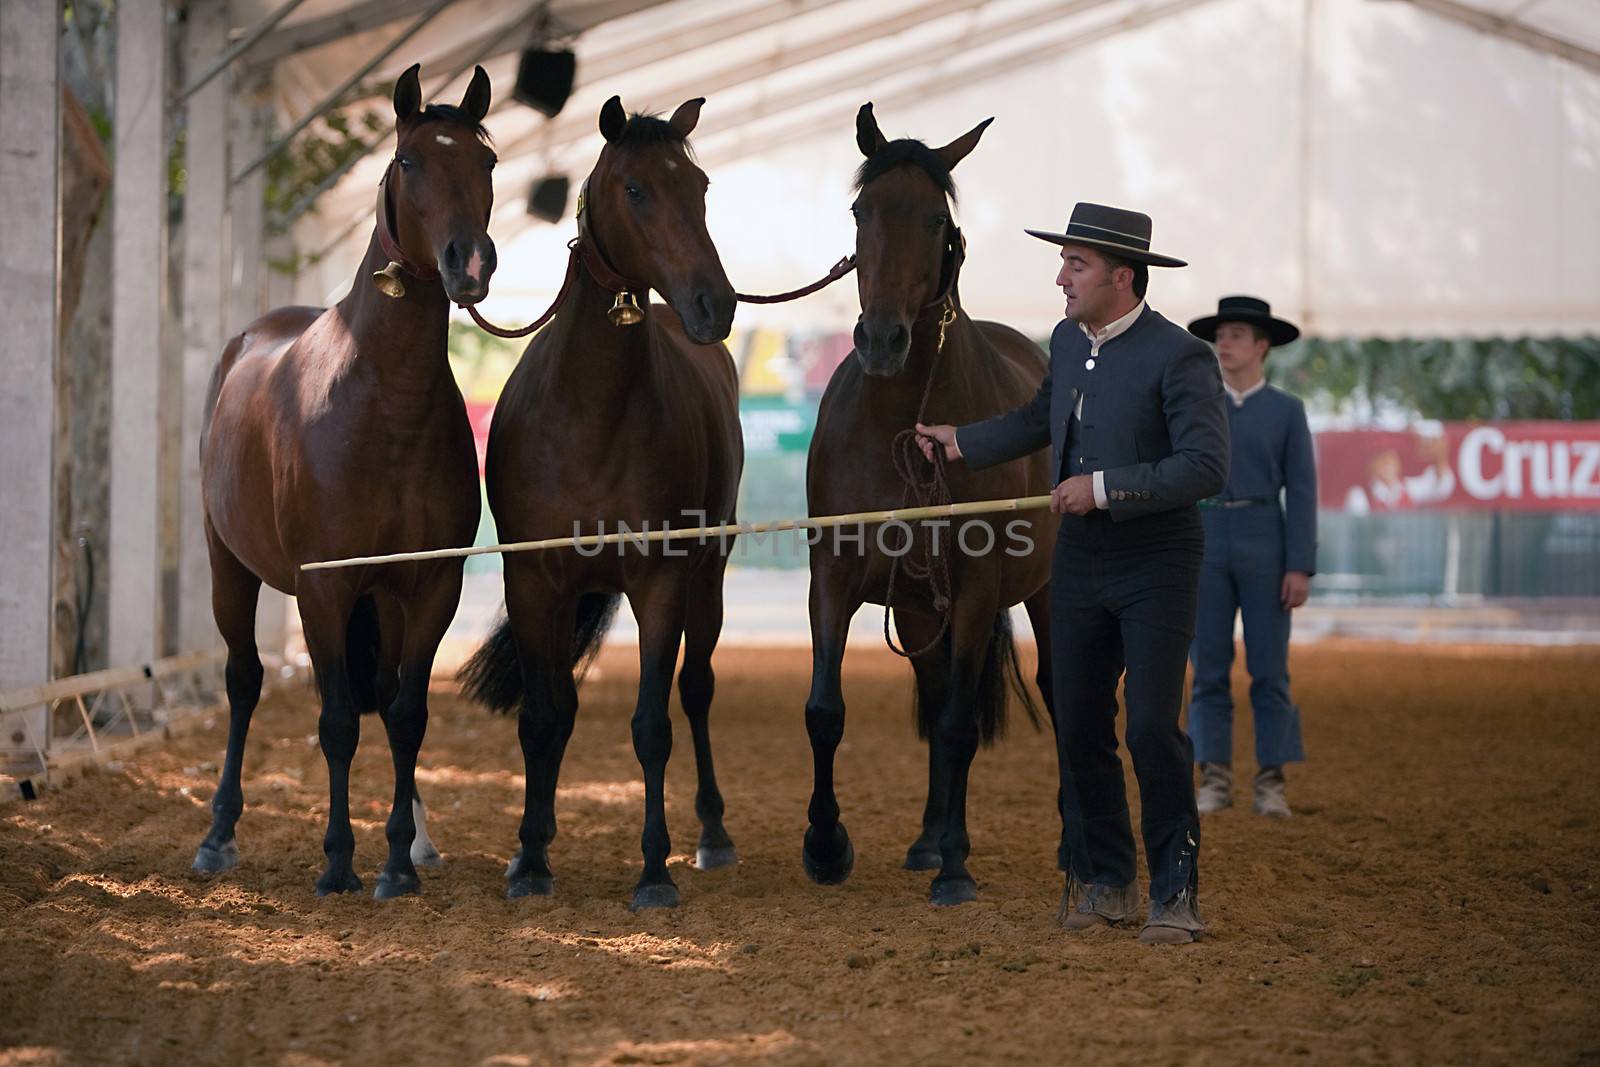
{"x":1509,"y":29}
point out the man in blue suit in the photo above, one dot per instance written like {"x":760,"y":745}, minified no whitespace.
{"x":1133,"y":413}
{"x":1260,"y":556}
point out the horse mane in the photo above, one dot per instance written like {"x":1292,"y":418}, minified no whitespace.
{"x":455,"y":117}
{"x":905,"y":152}
{"x":642,"y":131}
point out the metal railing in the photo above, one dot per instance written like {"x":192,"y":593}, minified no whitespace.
{"x":49,"y":729}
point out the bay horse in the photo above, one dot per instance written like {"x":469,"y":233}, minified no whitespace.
{"x":919,"y":358}
{"x":635,"y":423}
{"x":340,"y":432}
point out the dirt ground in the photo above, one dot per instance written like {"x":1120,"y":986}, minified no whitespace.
{"x":1436,"y":897}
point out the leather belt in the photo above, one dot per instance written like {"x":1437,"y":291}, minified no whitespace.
{"x":1237,"y":501}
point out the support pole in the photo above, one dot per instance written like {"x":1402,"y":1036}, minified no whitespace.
{"x":30,"y":253}
{"x":138,"y":299}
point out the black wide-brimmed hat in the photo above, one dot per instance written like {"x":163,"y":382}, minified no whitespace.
{"x":1248,"y":309}
{"x":1125,"y":234}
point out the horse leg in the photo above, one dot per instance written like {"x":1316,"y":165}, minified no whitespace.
{"x":827,"y":853}
{"x":391,"y":639}
{"x":957,"y":729}
{"x":696,"y":685}
{"x":933,"y":679}
{"x":325,"y":616}
{"x":234,"y":590}
{"x":427,"y":615}
{"x":1038,"y":607}
{"x":659,"y":606}
{"x":543,"y":634}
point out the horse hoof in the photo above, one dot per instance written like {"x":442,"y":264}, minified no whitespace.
{"x":427,"y":856}
{"x":948,"y":892}
{"x":921,"y":857}
{"x":654,"y":895}
{"x":216,"y":860}
{"x":338,"y":882}
{"x":710,"y":857}
{"x":511,"y":865}
{"x":531,"y":885}
{"x":829,"y":870}
{"x":392,"y":884}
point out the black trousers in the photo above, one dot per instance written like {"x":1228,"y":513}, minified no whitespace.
{"x":1122,"y":598}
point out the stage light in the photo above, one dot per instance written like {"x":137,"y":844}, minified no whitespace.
{"x":544,"y":79}
{"x":547,"y":199}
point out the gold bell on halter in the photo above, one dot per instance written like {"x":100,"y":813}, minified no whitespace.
{"x":388,"y":281}
{"x":625,"y":311}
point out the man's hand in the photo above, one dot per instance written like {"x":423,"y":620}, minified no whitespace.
{"x":1075,"y":496}
{"x":1296,"y":587}
{"x":930,"y":436}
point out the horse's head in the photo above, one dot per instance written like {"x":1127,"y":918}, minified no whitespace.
{"x":439,"y":189}
{"x":646,"y":209}
{"x":905,"y":239}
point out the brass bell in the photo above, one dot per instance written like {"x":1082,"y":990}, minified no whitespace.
{"x":625,"y":311}
{"x":388,"y":281}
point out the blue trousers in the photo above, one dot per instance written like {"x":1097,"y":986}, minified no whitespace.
{"x":1243,"y":574}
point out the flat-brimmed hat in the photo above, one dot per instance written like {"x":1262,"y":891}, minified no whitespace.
{"x":1125,"y":234}
{"x":1250,"y":309}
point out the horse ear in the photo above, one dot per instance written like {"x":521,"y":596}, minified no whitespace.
{"x":408,"y":93}
{"x":868,"y":137}
{"x":687,"y":116}
{"x":957,"y":150}
{"x":612,"y":119}
{"x":476,"y":101}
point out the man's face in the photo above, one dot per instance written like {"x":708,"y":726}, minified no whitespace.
{"x":1238,"y":348}
{"x":1089,"y":284}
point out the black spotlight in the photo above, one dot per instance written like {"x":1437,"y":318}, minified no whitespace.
{"x":547,"y":199}
{"x":544,"y":79}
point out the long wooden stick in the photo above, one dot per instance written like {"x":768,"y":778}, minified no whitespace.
{"x":860,"y":518}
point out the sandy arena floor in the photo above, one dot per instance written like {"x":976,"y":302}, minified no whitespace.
{"x":1437,"y":897}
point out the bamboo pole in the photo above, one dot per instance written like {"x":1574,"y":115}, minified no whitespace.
{"x":642,"y":537}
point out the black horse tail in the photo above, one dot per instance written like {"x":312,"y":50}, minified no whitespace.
{"x":1001,"y":671}
{"x":493,"y":676}
{"x":363,"y":654}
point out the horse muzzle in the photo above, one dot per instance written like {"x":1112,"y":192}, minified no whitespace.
{"x":707,"y":313}
{"x":465,"y":268}
{"x":882,"y":344}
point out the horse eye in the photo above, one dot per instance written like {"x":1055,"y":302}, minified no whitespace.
{"x":406,"y":163}
{"x":635,"y":194}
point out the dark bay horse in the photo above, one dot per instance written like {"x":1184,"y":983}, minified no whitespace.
{"x":918,"y":357}
{"x":631,"y":423}
{"x":340,"y":432}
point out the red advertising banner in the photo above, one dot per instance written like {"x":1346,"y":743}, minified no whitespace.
{"x":1529,"y":466}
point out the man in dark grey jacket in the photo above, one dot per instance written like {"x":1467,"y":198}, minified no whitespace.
{"x":1133,"y":411}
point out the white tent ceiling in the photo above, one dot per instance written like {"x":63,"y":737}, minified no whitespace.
{"x":1373,"y":166}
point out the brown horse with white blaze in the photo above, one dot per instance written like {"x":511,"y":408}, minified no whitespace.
{"x":341,"y":432}
{"x":919,"y":358}
{"x":628,"y":423}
